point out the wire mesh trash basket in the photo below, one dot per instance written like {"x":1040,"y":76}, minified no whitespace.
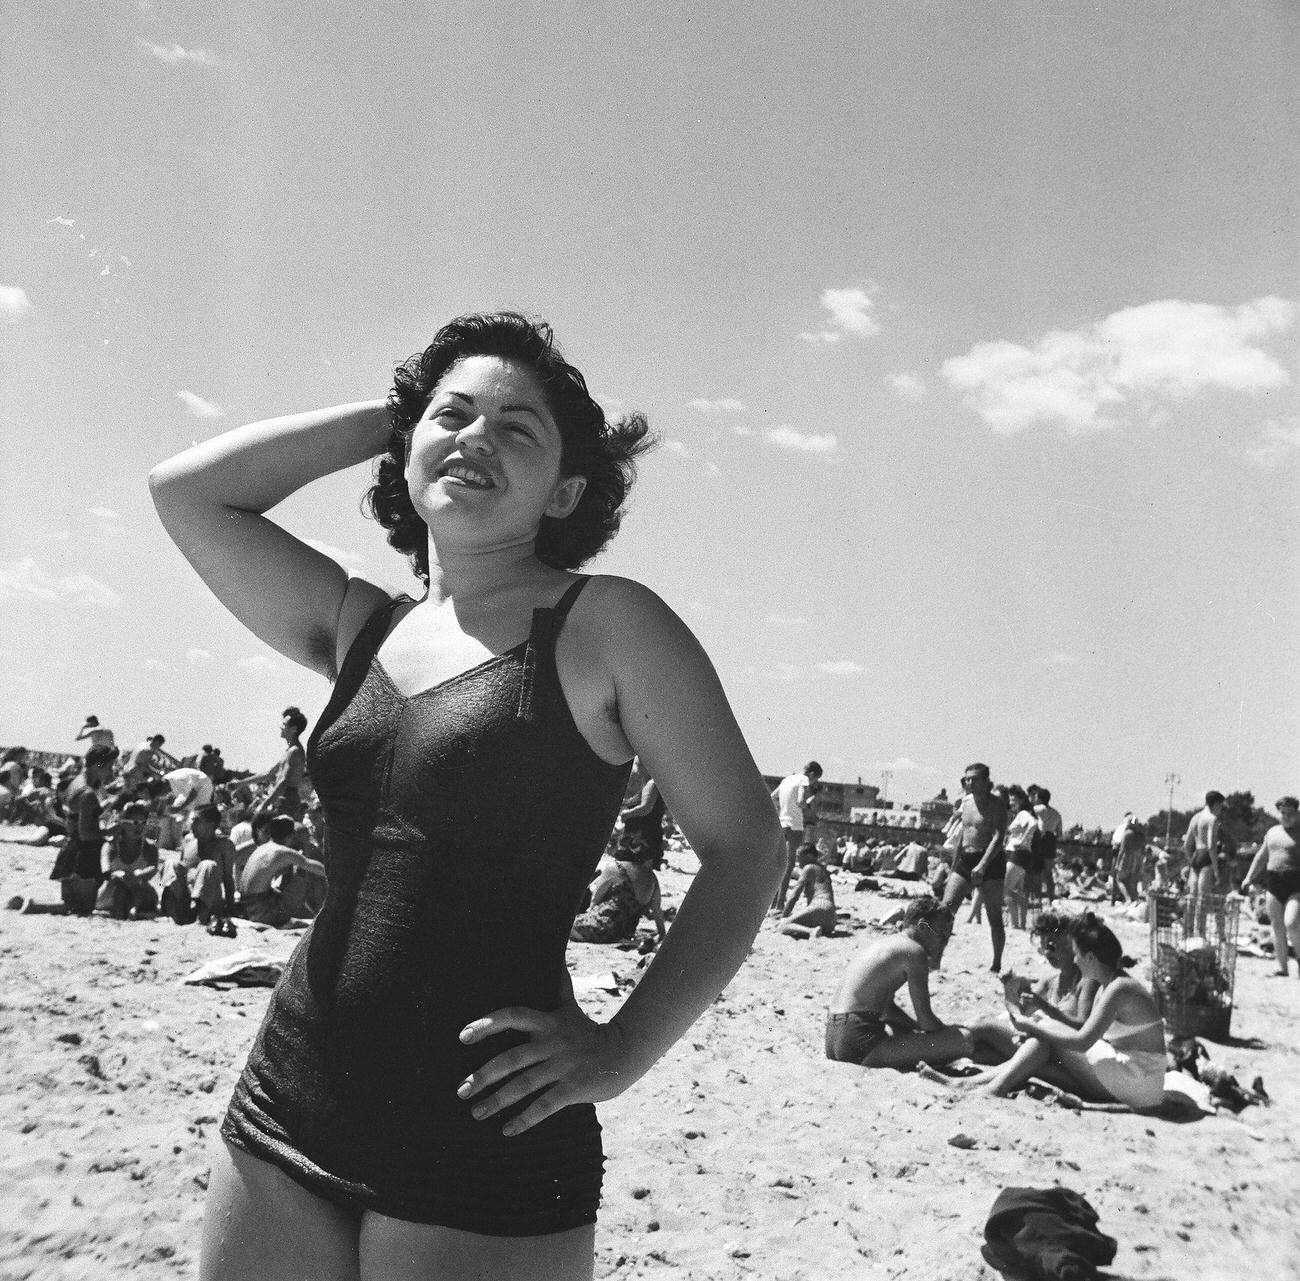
{"x":1193,"y":960}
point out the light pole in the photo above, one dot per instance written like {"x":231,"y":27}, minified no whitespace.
{"x":885,"y":776}
{"x":1171,"y":781}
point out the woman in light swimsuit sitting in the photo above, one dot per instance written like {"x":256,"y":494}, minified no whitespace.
{"x":814,"y":885}
{"x":1118,"y":1055}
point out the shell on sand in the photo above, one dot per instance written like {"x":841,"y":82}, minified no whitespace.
{"x":744,"y":1153}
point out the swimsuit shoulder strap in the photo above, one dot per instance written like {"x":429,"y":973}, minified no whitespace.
{"x":366,"y":643}
{"x":560,"y":610}
{"x":539,"y":655}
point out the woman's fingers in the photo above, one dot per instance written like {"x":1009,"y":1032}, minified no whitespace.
{"x":498,"y":1069}
{"x":546,"y":1104}
{"x":516,"y":1090}
{"x":518,"y":1018}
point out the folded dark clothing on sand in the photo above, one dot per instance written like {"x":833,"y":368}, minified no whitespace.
{"x":1049,"y":1234}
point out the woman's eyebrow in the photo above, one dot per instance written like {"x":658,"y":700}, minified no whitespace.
{"x":505,"y":409}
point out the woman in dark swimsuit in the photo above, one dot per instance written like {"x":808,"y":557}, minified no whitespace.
{"x":418,"y":1101}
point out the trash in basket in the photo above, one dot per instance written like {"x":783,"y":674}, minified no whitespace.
{"x":1193,"y":961}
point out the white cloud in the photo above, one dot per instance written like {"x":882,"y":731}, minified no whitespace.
{"x":781,"y":620}
{"x":58,"y":221}
{"x":783,"y":672}
{"x":1276,"y":442}
{"x":907,"y":387}
{"x":850,"y":313}
{"x":786,"y":437}
{"x":724,"y":405}
{"x":195,"y":657}
{"x":904,"y":765}
{"x":258,"y":663}
{"x":688,"y":455}
{"x":197,"y":407}
{"x":174,"y":54}
{"x":24,"y":578}
{"x":156,"y":665}
{"x":349,"y":560}
{"x":14,"y":303}
{"x":741,"y":430}
{"x":841,"y":667}
{"x":1085,"y":379}
{"x":103,"y":513}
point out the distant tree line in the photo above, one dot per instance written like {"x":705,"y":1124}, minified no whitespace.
{"x":1244,"y":822}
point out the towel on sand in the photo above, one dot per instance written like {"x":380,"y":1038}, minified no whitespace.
{"x":249,"y":967}
{"x":1048,"y":1234}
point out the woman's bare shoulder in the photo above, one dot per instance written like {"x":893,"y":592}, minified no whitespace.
{"x":616,"y":608}
{"x":612,"y":591}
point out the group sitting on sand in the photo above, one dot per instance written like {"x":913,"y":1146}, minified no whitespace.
{"x":1089,"y":1029}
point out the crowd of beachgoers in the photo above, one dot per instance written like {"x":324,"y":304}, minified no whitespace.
{"x":141,"y":834}
{"x":142,"y":831}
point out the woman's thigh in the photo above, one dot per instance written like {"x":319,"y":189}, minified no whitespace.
{"x":258,"y":1223}
{"x":394,"y":1250}
{"x":1013,"y":887}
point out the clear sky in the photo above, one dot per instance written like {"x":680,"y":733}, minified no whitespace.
{"x":970,"y":331}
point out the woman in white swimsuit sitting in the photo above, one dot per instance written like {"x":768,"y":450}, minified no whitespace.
{"x":1118,"y":1055}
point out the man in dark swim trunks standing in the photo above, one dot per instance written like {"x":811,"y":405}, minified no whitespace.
{"x":980,"y":858}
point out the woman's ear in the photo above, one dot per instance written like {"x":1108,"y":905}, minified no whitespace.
{"x":565,"y":496}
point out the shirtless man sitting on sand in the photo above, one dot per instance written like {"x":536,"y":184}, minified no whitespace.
{"x":865,"y":1024}
{"x":258,"y":899}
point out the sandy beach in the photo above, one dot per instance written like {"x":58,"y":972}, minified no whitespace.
{"x":745,"y":1154}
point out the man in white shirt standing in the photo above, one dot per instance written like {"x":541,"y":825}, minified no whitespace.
{"x":792,"y":796}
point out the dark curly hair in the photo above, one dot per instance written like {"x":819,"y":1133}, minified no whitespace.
{"x":602,"y":452}
{"x":1092,"y":935}
{"x":1050,"y":924}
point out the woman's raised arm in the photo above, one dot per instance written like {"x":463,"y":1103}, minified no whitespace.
{"x":212,"y":501}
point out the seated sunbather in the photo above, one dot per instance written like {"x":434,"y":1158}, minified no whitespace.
{"x":620,"y":896}
{"x":132,"y":865}
{"x":865,"y":1024}
{"x":1118,"y":1055}
{"x":813,"y":885}
{"x":1066,"y":994}
{"x":280,"y":884}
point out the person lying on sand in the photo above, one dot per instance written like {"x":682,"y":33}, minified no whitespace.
{"x":1118,"y":1055}
{"x":813,"y":885}
{"x":865,"y":1024}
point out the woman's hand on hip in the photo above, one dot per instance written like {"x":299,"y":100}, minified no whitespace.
{"x":568,"y":1058}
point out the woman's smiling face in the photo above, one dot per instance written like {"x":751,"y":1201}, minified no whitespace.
{"x":489,"y":450}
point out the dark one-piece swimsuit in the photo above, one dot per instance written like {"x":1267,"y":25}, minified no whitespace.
{"x":462,"y":825}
